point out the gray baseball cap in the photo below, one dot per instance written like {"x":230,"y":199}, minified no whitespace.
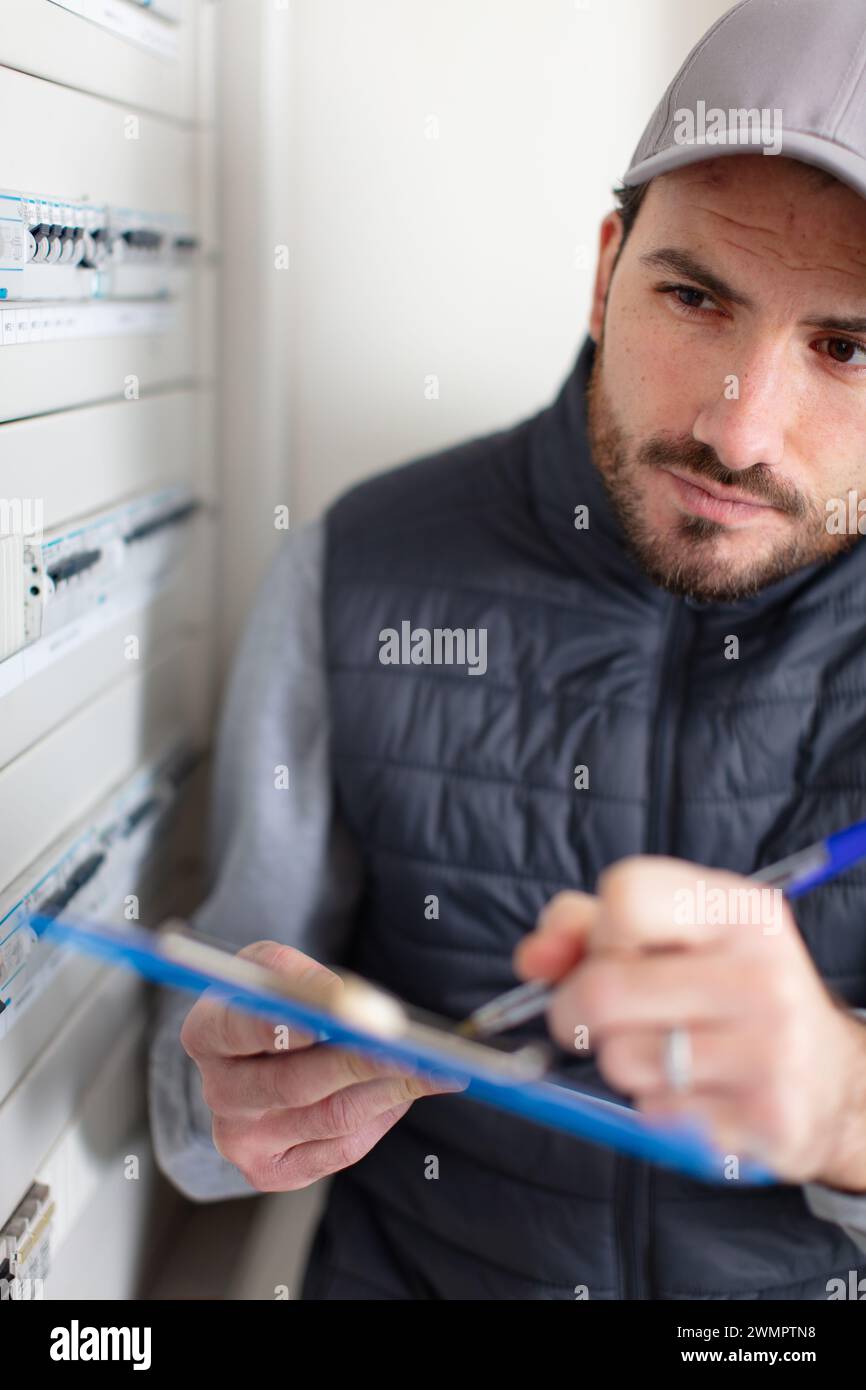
{"x":771,"y":76}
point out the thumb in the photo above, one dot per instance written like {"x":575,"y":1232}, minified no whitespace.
{"x":559,"y":940}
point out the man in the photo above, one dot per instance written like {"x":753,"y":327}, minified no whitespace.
{"x":674,"y":666}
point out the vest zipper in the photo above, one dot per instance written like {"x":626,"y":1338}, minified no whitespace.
{"x":634,"y":1180}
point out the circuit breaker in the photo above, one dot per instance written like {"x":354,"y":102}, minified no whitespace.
{"x":108,"y":506}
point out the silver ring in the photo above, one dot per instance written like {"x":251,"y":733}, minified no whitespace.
{"x":677,"y":1060}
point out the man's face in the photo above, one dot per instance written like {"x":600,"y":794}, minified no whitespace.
{"x":728,"y":399}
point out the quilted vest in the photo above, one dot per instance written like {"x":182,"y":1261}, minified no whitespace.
{"x":459,"y":789}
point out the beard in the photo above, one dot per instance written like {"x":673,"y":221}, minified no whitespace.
{"x":688,"y":557}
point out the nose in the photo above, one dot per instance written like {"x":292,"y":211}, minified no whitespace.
{"x":745,"y":422}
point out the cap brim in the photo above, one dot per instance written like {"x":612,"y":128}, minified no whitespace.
{"x":810,"y":149}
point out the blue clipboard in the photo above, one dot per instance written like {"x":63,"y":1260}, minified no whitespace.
{"x":509,"y":1080}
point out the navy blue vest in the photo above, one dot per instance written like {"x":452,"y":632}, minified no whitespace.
{"x":462,"y":787}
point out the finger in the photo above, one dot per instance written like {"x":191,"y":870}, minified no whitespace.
{"x":345,"y":1112}
{"x":609,"y":993}
{"x":249,"y":1087}
{"x":648,"y":902}
{"x":307,"y":1163}
{"x":720,"y":1059}
{"x":559,"y":940}
{"x":214,"y":1028}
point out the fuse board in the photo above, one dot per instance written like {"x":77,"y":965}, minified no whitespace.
{"x":92,"y":873}
{"x":152,"y":25}
{"x":108,"y":510}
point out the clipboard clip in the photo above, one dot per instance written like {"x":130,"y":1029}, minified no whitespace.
{"x":362,"y":1005}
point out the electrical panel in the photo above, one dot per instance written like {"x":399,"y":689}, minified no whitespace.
{"x":53,"y":250}
{"x":25,"y":1243}
{"x":108,"y":509}
{"x":147,"y":56}
{"x":88,"y":568}
{"x":91,"y":873}
{"x":100,"y":250}
{"x":140,"y":20}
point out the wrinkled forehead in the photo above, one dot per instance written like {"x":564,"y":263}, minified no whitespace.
{"x":799,"y":215}
{"x":776,"y":177}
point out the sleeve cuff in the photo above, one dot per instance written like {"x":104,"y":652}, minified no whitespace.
{"x":845,"y":1209}
{"x":180,"y":1121}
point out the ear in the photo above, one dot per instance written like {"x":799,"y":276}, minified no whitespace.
{"x":609,"y":242}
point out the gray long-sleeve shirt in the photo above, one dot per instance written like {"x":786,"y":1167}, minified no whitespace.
{"x":283,"y":866}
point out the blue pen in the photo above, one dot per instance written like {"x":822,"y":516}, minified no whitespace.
{"x":797,"y":874}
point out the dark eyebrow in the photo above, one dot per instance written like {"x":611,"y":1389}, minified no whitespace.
{"x":854,"y":325}
{"x":683,"y":263}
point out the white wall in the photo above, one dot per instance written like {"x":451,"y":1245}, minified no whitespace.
{"x":256,"y":325}
{"x":469,"y":256}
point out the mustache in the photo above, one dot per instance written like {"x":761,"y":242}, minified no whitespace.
{"x":692,"y":456}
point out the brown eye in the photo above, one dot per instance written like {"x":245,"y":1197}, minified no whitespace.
{"x":697,"y":297}
{"x":841,"y":350}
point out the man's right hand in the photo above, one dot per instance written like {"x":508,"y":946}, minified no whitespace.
{"x":288,"y":1116}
